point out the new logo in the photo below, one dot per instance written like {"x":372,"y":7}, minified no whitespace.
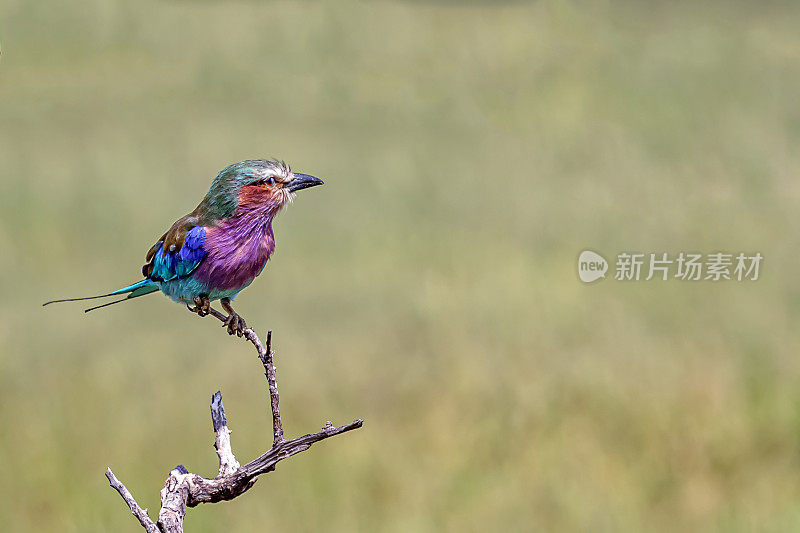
{"x":591,"y":266}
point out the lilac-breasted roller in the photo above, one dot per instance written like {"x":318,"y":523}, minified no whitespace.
{"x":219,"y":248}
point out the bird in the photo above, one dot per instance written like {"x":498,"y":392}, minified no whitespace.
{"x":218,"y":249}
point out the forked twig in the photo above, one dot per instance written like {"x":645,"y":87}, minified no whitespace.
{"x":183,"y":489}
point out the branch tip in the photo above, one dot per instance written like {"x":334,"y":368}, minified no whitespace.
{"x":218,"y":419}
{"x":136,"y":510}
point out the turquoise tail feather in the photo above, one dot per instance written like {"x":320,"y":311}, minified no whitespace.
{"x":134,"y":290}
{"x":133,"y":287}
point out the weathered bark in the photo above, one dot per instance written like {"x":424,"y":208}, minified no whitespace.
{"x":183,"y":489}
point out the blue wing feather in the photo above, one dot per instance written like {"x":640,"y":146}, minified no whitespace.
{"x":171,"y":264}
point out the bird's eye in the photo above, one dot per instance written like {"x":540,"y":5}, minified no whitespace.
{"x":266,"y":182}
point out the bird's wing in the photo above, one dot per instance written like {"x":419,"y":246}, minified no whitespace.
{"x":178,"y":252}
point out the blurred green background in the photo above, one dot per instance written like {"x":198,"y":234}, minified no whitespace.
{"x":470,"y":152}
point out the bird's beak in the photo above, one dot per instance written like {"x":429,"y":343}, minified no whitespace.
{"x":302,"y":181}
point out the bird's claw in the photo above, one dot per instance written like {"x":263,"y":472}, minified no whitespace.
{"x":202,"y":306}
{"x":235,"y":324}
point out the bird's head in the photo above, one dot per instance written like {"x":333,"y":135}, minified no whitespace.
{"x":256,"y":185}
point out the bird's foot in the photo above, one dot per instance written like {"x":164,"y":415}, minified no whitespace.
{"x":235,"y":323}
{"x":202,"y":306}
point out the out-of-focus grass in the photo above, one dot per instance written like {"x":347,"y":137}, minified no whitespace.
{"x":470,"y":152}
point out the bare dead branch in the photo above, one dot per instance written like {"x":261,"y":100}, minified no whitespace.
{"x":227,"y":461}
{"x":173,"y":501}
{"x":138,"y":512}
{"x":183,"y":489}
{"x":272,"y":383}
